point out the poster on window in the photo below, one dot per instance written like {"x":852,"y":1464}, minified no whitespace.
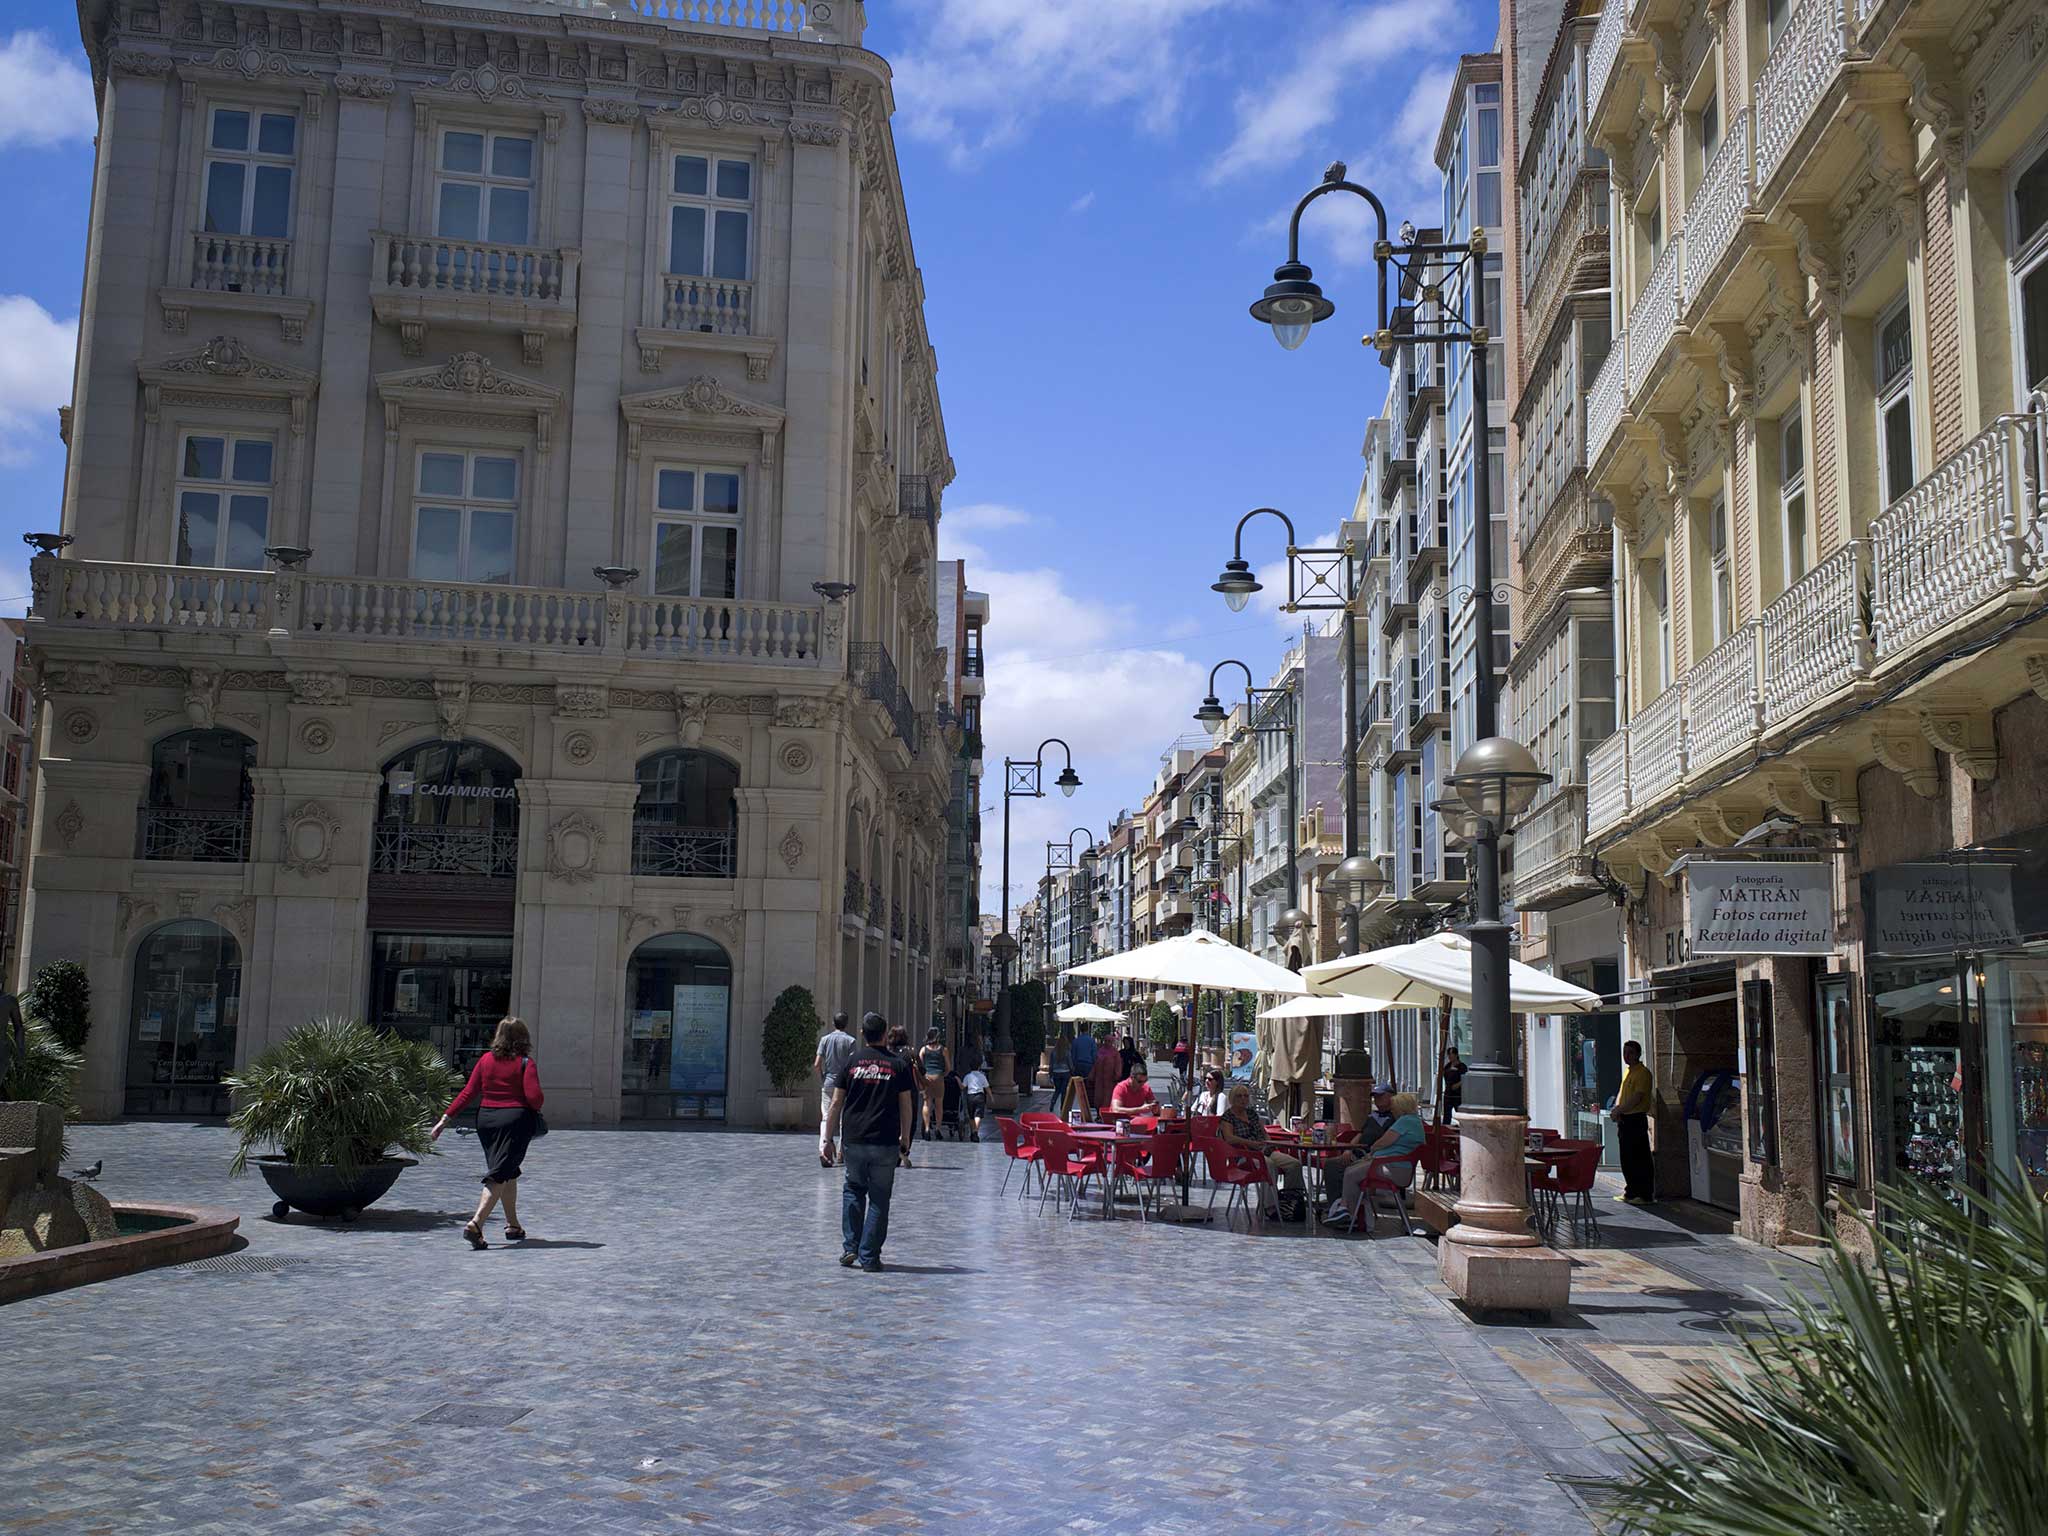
{"x":1941,"y":908}
{"x":650,"y":1023}
{"x":159,"y":1016}
{"x":1244,"y":1046}
{"x":697,"y":1059}
{"x":205,"y":1011}
{"x":1736,"y":907}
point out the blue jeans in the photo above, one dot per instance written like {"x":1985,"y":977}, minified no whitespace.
{"x":864,"y":1207}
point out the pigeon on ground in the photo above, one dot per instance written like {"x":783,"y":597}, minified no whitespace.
{"x":89,"y":1174}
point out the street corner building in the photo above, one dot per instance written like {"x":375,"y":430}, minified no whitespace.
{"x":496,"y":570}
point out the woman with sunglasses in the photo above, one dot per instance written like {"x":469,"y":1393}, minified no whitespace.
{"x":1210,"y":1098}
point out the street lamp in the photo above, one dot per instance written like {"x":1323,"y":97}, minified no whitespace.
{"x":1496,"y":779}
{"x":1318,"y":580}
{"x":1022,"y":779}
{"x":1060,"y":856}
{"x":1261,"y":713}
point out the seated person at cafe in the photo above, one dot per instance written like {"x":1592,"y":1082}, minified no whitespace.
{"x":1209,"y":1100}
{"x":1405,"y":1135}
{"x":1377,"y":1124}
{"x":1133,"y":1097}
{"x":1239,"y":1127}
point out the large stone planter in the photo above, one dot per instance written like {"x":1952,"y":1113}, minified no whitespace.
{"x":789,"y":1111}
{"x":320,"y":1189}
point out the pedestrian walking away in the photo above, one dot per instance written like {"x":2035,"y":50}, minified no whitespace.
{"x":898,"y":1045}
{"x":505,"y":1085}
{"x":934,"y":1061}
{"x":835,"y":1050}
{"x":872,"y":1111}
{"x":1631,"y":1115}
{"x":975,"y":1087}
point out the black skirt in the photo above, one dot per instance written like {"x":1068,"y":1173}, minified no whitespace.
{"x":504,"y":1134}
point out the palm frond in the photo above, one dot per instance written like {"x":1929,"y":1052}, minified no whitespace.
{"x":335,"y":1091}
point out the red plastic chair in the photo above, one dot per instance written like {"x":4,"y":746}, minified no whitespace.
{"x":1061,"y":1157}
{"x":1569,"y":1187}
{"x":1018,"y":1147}
{"x":1439,"y":1157}
{"x":1040,"y":1117}
{"x":1379,"y":1181}
{"x":1147,"y":1167}
{"x":1236,"y":1169}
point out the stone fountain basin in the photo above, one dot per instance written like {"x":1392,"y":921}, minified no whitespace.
{"x":151,"y":1235}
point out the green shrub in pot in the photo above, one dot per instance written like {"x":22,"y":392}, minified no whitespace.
{"x":337,"y":1093}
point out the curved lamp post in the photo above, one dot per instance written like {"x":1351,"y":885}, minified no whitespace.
{"x":1491,"y":1257}
{"x":1021,"y":779}
{"x":1061,"y":858}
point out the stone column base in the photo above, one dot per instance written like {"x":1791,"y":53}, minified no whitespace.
{"x":1354,"y":1099}
{"x":1002,"y":1082}
{"x":1506,"y":1279}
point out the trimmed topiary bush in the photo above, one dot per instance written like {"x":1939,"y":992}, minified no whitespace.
{"x":1162,"y":1026}
{"x":61,"y":996}
{"x":789,"y":1039}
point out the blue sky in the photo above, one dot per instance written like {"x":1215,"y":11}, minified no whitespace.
{"x":1097,"y":190}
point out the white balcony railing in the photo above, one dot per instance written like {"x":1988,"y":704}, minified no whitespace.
{"x":1964,"y":534}
{"x":1607,"y":784}
{"x":1726,"y":193}
{"x":740,"y":15}
{"x":241,"y":264}
{"x":715,"y":305}
{"x":1656,"y":747}
{"x":1655,"y":313}
{"x":1724,"y":713}
{"x":469,"y":268}
{"x":1604,"y":400}
{"x":1601,"y":56}
{"x":1816,"y":640}
{"x":1802,"y":64}
{"x":1550,"y":848}
{"x":107,"y":595}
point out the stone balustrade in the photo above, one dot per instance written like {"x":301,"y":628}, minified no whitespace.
{"x":1656,"y":756}
{"x":1964,"y":534}
{"x":1654,"y":317}
{"x":1727,"y":192}
{"x":1603,"y":54}
{"x":1605,"y":399}
{"x":109,"y":595}
{"x":1802,"y":64}
{"x":1607,"y":784}
{"x":1722,"y":691}
{"x":250,"y":264}
{"x":1815,"y":635}
{"x":714,"y":306}
{"x":471,"y":268}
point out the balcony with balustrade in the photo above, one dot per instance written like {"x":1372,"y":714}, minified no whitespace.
{"x":1722,"y":209}
{"x":1605,"y":403}
{"x":1796,"y":94}
{"x":261,"y":608}
{"x":1552,"y":867}
{"x":420,"y":281}
{"x":1654,"y":321}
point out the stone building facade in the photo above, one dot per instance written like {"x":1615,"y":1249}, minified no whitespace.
{"x":496,"y":544}
{"x":1822,"y":429}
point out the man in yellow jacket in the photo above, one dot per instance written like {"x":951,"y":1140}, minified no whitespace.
{"x":1631,"y":1112}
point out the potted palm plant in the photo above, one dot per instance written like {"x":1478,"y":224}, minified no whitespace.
{"x":337,"y":1099}
{"x":789,"y":1045}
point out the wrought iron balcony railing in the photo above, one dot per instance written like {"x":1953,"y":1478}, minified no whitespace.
{"x":478,"y":852}
{"x":687,"y":853}
{"x":201,"y":837}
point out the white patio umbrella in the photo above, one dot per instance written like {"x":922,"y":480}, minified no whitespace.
{"x":1195,"y":959}
{"x":1420,"y":975}
{"x":1323,"y":1006}
{"x":1088,"y":1013}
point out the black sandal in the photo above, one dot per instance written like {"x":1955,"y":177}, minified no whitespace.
{"x":515,"y":1234}
{"x":475,"y":1234}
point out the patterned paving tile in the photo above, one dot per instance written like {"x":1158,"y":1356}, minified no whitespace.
{"x":685,"y":1354}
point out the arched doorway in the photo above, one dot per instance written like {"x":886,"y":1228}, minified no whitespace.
{"x":444,"y":862}
{"x":678,"y":1043}
{"x":184,"y":1017}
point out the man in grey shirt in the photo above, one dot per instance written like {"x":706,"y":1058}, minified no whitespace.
{"x":835,"y":1050}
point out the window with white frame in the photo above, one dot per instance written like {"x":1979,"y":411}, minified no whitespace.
{"x":2030,"y":270}
{"x":1796,"y":547}
{"x":710,"y":216}
{"x":483,"y":188}
{"x":1720,"y":578}
{"x":696,"y":532}
{"x":223,"y":499}
{"x":1708,"y":124}
{"x":1894,"y":373}
{"x":1658,"y":592}
{"x":1777,"y":17}
{"x":251,"y":155}
{"x":465,"y":516}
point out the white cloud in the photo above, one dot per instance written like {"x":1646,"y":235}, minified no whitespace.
{"x":1277,"y":118}
{"x":45,"y":94}
{"x":974,"y":73}
{"x":36,"y":353}
{"x":1082,"y":203}
{"x":980,"y":517}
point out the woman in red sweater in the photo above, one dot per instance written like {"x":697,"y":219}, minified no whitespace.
{"x":507,"y":1087}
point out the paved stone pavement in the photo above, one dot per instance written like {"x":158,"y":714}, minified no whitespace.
{"x":683,"y":1352}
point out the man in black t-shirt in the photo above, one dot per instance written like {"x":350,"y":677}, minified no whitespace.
{"x":871,"y":1110}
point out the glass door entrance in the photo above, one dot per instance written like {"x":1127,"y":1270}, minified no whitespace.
{"x":184,"y":1018}
{"x":448,"y":990}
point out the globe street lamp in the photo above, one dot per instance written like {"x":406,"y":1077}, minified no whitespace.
{"x":1491,"y":1253}
{"x":1267,"y":712}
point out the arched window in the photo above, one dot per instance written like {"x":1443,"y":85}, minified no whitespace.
{"x":678,"y":1026}
{"x":685,"y":820}
{"x":448,"y":808}
{"x":200,"y":792}
{"x":183,"y":1020}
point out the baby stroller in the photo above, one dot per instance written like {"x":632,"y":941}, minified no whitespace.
{"x":953,"y":1116}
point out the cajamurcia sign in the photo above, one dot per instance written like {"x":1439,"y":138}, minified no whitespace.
{"x":1739,"y":908}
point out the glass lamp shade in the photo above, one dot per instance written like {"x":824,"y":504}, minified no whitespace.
{"x":1237,"y":583}
{"x":1497,"y":779}
{"x":1359,"y":879}
{"x":1068,"y":781}
{"x":1291,"y":304}
{"x":1290,"y":923}
{"x":1212,"y":714}
{"x":1003,"y":947}
{"x":1457,"y":818}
